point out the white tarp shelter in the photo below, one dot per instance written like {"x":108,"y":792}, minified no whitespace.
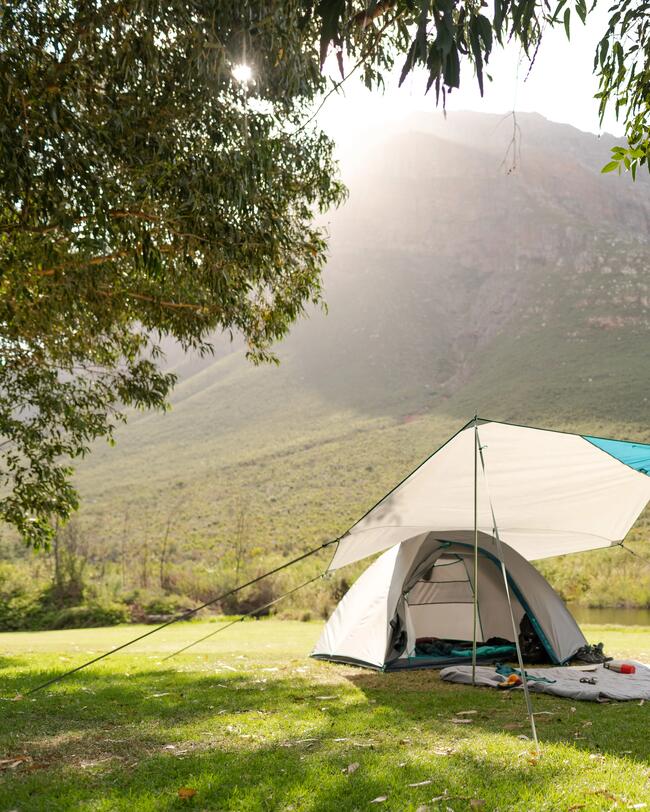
{"x":495,"y":496}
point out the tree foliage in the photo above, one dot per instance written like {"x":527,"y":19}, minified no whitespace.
{"x":440,"y":36}
{"x":143,"y":191}
{"x":623,"y":66}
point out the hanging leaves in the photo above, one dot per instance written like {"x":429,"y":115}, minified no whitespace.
{"x":622,"y":63}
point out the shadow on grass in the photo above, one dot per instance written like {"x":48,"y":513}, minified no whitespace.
{"x":120,"y":742}
{"x":135,"y":741}
{"x":615,"y":728}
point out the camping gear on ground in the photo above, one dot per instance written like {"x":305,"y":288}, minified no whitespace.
{"x":428,"y":647}
{"x":591,"y":654}
{"x":512,"y":681}
{"x":567,"y":682}
{"x":620,"y":667}
{"x":507,"y":671}
{"x":532,"y":648}
{"x":423,"y":588}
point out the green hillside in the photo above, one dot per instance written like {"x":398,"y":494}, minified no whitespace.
{"x":455,"y":286}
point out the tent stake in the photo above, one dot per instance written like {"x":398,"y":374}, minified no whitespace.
{"x":515,"y":632}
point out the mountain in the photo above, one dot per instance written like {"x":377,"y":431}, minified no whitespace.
{"x":480,"y":265}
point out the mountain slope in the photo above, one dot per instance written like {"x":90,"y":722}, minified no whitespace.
{"x":454,"y":287}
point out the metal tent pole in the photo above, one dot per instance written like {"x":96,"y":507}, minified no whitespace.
{"x":504,"y":572}
{"x":475,"y":548}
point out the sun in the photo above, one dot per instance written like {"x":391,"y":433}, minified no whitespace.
{"x":243,"y":73}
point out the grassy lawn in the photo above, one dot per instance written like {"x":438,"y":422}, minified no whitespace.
{"x":246,"y":722}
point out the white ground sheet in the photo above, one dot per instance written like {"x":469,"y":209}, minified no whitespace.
{"x":609,"y":684}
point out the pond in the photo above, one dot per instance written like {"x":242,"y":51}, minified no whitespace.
{"x":617,"y":616}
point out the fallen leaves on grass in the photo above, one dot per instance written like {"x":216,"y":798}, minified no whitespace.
{"x":605,"y":793}
{"x":379,"y":799}
{"x":351,"y":768}
{"x":22,"y":762}
{"x":476,"y":803}
{"x":186,"y":793}
{"x":466,"y":713}
{"x":421,"y":783}
{"x":13,"y":763}
{"x":307,"y":743}
{"x":443,"y":751}
{"x":462,"y":721}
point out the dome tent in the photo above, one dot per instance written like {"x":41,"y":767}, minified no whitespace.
{"x":424,"y":588}
{"x":495,"y":496}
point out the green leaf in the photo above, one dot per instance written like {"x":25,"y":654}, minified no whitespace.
{"x":567,"y":23}
{"x":610,"y":167}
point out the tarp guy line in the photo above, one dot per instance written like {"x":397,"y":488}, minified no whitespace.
{"x":182,"y":616}
{"x":255,"y":611}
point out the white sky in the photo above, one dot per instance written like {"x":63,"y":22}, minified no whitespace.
{"x":561,"y":87}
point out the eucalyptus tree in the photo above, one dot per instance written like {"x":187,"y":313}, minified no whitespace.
{"x":149,"y":186}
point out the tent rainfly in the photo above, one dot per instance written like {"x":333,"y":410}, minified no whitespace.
{"x":493,"y":498}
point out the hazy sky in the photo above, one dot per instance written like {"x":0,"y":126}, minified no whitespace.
{"x":561,"y":87}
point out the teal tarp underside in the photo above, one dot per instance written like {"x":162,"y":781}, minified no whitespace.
{"x":636,"y":455}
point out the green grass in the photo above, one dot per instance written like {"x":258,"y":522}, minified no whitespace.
{"x":251,"y":724}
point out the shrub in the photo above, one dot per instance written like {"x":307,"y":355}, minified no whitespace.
{"x":90,"y":616}
{"x":165,"y":605}
{"x":250,"y":599}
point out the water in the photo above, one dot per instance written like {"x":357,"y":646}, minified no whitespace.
{"x":616,"y":616}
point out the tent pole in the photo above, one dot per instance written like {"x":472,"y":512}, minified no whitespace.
{"x":475,"y":548}
{"x":515,"y":632}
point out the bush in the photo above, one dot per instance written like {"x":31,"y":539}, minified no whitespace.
{"x":250,"y":599}
{"x":25,"y":607}
{"x":165,"y":605}
{"x":84,"y":617}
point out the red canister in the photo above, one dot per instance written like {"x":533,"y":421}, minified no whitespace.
{"x":621,"y":667}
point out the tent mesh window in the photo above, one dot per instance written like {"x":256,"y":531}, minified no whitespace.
{"x":441,"y":601}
